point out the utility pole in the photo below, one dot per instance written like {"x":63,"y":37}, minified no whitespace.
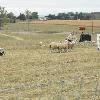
{"x":0,"y":23}
{"x":92,"y":26}
{"x":28,"y":13}
{"x":92,"y":22}
{"x":28,"y":23}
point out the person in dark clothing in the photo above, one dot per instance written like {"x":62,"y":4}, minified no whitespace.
{"x":85,"y":37}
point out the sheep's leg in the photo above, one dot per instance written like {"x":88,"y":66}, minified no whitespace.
{"x":51,"y":50}
{"x":59,"y":50}
{"x":63,"y":50}
{"x":66,"y":50}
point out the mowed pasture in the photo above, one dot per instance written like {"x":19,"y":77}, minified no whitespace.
{"x":29,"y":71}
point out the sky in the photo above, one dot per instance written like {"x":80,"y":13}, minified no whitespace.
{"x":45,"y":7}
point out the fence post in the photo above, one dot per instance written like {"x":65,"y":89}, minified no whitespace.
{"x":98,"y":41}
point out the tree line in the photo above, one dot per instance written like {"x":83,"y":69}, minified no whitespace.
{"x":6,"y":17}
{"x":71,"y":16}
{"x":28,"y":15}
{"x":59,"y":16}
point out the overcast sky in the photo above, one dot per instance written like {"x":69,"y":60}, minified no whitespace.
{"x":44,"y":7}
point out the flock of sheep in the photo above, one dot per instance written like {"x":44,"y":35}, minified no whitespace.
{"x":64,"y":46}
{"x":59,"y":47}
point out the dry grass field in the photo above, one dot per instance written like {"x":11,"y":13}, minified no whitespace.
{"x":54,"y":26}
{"x":29,"y":71}
{"x":69,"y":22}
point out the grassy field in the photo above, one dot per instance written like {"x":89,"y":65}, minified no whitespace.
{"x":29,"y":71}
{"x":54,"y":26}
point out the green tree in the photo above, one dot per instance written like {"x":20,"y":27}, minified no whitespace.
{"x":62,"y":16}
{"x":51,"y":16}
{"x":34,"y":15}
{"x":3,"y":16}
{"x":28,"y":14}
{"x":21,"y":17}
{"x":76,"y":16}
{"x":71,"y":15}
{"x":11,"y":17}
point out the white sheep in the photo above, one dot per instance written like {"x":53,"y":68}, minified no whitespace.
{"x":54,"y":46}
{"x":61,"y":46}
{"x":58,"y":46}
